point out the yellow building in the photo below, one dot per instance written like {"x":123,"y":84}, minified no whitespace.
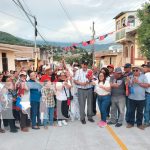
{"x":127,"y":24}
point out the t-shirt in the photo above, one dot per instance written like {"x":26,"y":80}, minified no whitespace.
{"x":138,"y":92}
{"x":121,"y":89}
{"x":60,"y":91}
{"x":35,"y":90}
{"x":101,"y":91}
{"x":148,"y":79}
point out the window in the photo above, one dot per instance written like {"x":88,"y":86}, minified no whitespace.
{"x":131,"y":21}
{"x":118,"y":25}
{"x":126,"y":52}
{"x":123,"y":22}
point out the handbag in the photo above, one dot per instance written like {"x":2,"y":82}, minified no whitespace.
{"x":69,"y":98}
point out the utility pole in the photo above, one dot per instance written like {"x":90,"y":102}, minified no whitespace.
{"x":35,"y":50}
{"x":93,"y":38}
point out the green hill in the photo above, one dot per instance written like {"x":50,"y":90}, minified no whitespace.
{"x":7,"y":38}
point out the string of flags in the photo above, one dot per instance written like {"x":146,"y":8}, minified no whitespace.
{"x":86,"y":43}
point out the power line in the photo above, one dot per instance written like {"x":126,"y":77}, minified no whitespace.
{"x":27,"y":15}
{"x":69,"y":18}
{"x":27,"y":7}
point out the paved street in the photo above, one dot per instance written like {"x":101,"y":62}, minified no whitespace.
{"x":76,"y":136}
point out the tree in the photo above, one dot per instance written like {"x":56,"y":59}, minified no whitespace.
{"x":144,"y":29}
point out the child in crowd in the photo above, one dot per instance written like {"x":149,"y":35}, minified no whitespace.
{"x":48,"y":98}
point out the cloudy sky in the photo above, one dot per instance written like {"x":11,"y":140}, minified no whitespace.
{"x":53,"y":23}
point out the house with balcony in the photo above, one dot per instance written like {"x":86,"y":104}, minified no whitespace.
{"x":127,"y":24}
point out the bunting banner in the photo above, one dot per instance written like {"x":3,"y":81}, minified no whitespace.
{"x":87,"y":43}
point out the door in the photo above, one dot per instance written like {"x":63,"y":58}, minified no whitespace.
{"x":4,"y":62}
{"x":132,"y":55}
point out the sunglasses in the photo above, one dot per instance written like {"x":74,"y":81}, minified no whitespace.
{"x":135,"y":70}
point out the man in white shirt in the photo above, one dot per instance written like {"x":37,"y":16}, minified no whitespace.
{"x":146,"y":69}
{"x":85,"y":92}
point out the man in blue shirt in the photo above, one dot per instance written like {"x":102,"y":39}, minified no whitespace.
{"x":35,"y":96}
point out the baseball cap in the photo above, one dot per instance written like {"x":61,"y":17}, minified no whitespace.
{"x":127,"y":65}
{"x":85,"y":62}
{"x":111,"y":66}
{"x":118,"y":70}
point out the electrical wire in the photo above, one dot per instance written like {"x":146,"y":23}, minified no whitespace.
{"x":70,"y":19}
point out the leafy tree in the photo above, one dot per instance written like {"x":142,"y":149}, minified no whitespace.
{"x":144,"y":29}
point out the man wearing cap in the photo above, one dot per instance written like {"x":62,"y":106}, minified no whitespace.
{"x":117,"y":98}
{"x":85,"y":92}
{"x":111,"y":69}
{"x":146,"y":69}
{"x":127,"y":73}
{"x":137,"y":84}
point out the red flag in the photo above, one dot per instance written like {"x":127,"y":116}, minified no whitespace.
{"x":92,"y":42}
{"x":101,"y":37}
{"x":84,"y":43}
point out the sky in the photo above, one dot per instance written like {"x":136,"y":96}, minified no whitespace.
{"x":53,"y":23}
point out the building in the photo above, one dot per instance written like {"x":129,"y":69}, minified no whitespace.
{"x":14,"y":57}
{"x":127,"y":24}
{"x":108,"y":57}
{"x":7,"y":58}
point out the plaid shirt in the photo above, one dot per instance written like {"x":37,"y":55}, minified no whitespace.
{"x":48,"y":96}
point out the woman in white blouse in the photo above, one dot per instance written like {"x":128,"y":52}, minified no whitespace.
{"x":62,"y":93}
{"x":102,"y":88}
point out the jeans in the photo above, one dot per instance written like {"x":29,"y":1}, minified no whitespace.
{"x":136,"y":107}
{"x":147,"y":109}
{"x":127,"y":110}
{"x":35,"y":113}
{"x":49,"y":115}
{"x":103,"y":103}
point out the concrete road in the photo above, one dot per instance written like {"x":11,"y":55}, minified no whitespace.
{"x":76,"y":136}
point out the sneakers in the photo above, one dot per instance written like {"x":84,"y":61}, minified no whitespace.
{"x":110,"y":123}
{"x":141,"y":127}
{"x":129,"y":126}
{"x":64,"y":123}
{"x":59,"y":123}
{"x":102,"y":124}
{"x":118,"y":125}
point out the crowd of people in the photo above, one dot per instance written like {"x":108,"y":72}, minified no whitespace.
{"x":57,"y":95}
